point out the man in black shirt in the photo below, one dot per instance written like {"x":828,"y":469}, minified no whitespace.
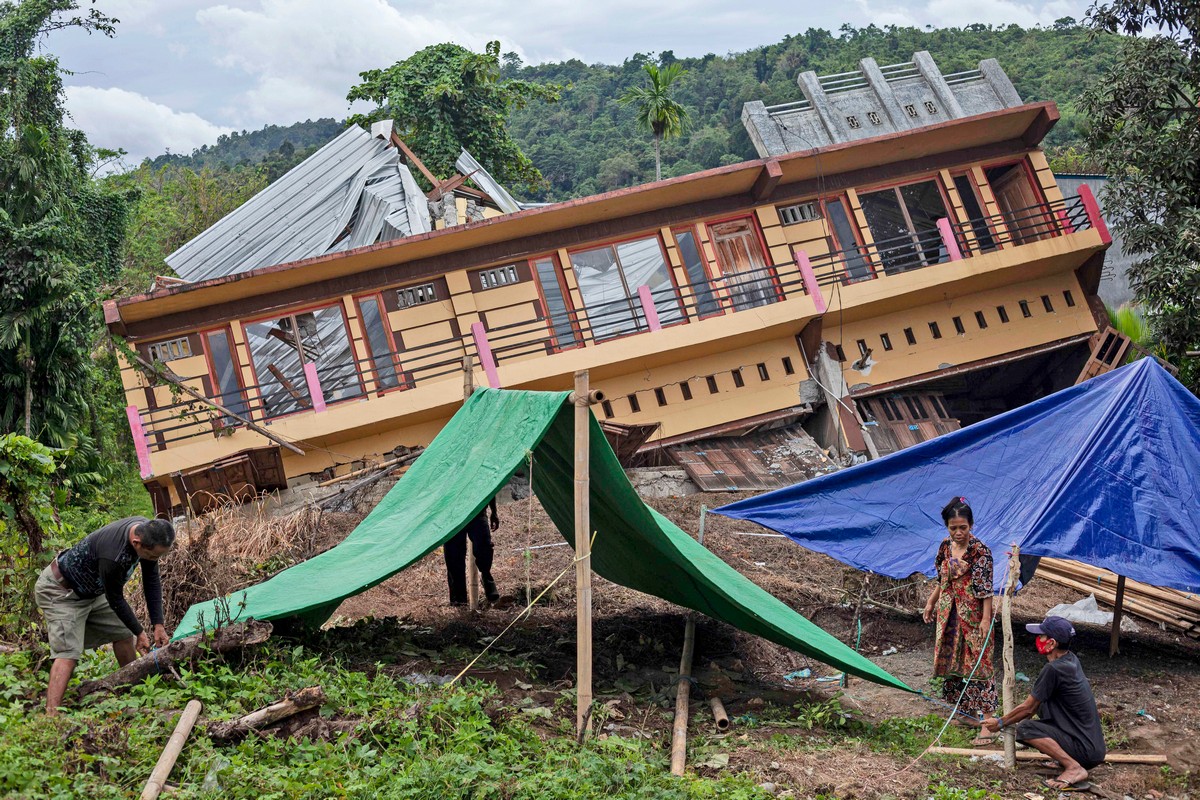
{"x":1068,"y":725}
{"x":82,"y":595}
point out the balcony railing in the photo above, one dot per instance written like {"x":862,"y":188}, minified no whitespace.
{"x":648,"y":310}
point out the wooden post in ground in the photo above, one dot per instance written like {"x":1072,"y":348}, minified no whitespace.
{"x":1010,"y":675}
{"x":158,"y":778}
{"x":683,"y":688}
{"x":583,"y":563}
{"x":1114,"y":636}
{"x":472,"y":569}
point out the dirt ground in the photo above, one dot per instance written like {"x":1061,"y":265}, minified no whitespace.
{"x":1147,"y":694}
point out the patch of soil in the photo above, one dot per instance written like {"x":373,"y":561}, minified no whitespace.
{"x":1146,"y":694}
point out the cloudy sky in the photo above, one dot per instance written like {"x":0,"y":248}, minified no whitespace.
{"x":180,"y":73}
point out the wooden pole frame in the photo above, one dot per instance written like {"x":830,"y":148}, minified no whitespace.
{"x":583,"y":554}
{"x":1010,"y":675}
{"x":170,"y":753}
{"x":1114,"y":635}
{"x":683,"y":689}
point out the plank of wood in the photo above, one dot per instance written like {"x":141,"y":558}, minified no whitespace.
{"x":170,"y":753}
{"x":1033,"y":755}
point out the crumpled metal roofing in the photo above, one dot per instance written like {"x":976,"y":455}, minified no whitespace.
{"x":467,"y":165}
{"x":352,"y":192}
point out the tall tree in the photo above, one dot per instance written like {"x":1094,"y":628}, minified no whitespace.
{"x":444,"y":98}
{"x":1144,"y":129}
{"x":59,"y":240}
{"x":657,"y":111}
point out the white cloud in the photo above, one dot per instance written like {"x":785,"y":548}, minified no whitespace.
{"x":303,"y":56}
{"x":118,"y":118}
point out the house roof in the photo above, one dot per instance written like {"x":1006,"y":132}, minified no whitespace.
{"x":354,"y":191}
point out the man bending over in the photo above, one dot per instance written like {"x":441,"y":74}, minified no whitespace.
{"x":82,"y":595}
{"x":1068,"y":725}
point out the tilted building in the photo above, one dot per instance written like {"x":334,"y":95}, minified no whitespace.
{"x":898,"y":261}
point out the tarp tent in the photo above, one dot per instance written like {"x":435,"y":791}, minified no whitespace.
{"x":463,"y":468}
{"x":1104,"y":472}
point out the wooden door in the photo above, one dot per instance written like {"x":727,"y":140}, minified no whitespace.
{"x":1019,"y":204}
{"x":746,"y":273}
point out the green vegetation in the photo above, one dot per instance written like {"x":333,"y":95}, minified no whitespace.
{"x":404,"y":741}
{"x":444,"y":98}
{"x":657,"y":111}
{"x":1145,"y":133}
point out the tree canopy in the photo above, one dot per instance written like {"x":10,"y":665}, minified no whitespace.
{"x":444,"y":98}
{"x":1144,"y":132}
{"x":657,"y":110}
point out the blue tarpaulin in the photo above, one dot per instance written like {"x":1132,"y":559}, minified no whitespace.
{"x":1105,"y":472}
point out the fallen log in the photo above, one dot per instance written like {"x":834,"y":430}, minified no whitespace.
{"x":170,"y":753}
{"x":1034,"y":755}
{"x":184,"y":651}
{"x":293,"y":703}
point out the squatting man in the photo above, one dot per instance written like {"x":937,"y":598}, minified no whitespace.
{"x":82,"y":595}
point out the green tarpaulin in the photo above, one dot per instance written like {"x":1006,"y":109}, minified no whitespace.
{"x":464,"y":467}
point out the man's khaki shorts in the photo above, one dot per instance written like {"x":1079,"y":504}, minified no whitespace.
{"x":76,"y":624}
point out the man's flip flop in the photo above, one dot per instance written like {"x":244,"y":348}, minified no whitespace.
{"x":1055,"y":785}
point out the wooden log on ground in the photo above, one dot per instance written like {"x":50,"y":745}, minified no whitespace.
{"x":184,"y":651}
{"x":293,"y":703}
{"x":1034,"y":755}
{"x":158,"y":778}
{"x":683,"y":692}
{"x":719,"y":716}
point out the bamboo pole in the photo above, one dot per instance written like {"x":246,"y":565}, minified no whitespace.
{"x":719,"y":716}
{"x":261,"y":431}
{"x":683,"y":689}
{"x":583,"y":563}
{"x":472,"y":568}
{"x":170,"y":753}
{"x":1034,"y":755}
{"x":1010,"y":670}
{"x":1114,"y":636}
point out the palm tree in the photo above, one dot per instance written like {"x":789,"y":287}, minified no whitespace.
{"x":657,"y":111}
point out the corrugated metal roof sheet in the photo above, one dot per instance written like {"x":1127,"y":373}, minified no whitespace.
{"x":467,"y":165}
{"x":354,"y":191}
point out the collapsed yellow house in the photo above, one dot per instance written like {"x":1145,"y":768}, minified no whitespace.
{"x":899,"y":261}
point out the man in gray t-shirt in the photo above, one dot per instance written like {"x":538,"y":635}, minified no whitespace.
{"x":82,"y":595}
{"x":1068,"y":725}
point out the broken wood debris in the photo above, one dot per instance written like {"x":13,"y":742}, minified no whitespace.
{"x":170,"y":753}
{"x":1178,"y":611}
{"x":293,"y":703}
{"x":1033,"y":755}
{"x":164,"y":659}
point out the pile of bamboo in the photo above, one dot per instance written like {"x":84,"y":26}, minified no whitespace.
{"x":1177,"y":611}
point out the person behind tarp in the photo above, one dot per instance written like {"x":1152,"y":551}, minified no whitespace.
{"x":1068,"y":725}
{"x":455,"y":552}
{"x":962,"y":604}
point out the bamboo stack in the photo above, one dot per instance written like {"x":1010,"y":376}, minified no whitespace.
{"x":1177,"y":611}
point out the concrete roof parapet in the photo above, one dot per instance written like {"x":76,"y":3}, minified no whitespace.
{"x":933,"y":76}
{"x":887,"y":98}
{"x":994,"y":74}
{"x":810,"y":84}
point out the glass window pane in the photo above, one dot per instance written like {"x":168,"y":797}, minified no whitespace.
{"x":974,"y":213}
{"x":556,"y":302}
{"x":225,"y":375}
{"x":609,"y":310}
{"x":643,"y":264}
{"x":925,"y":207}
{"x":857,"y":267}
{"x":327,"y":344}
{"x":275,"y":351}
{"x":889,"y":228}
{"x":380,"y":339}
{"x":706,"y":302}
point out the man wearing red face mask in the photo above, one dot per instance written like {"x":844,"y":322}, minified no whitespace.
{"x":1068,"y":725}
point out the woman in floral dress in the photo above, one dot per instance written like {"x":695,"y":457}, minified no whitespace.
{"x":962,"y":604}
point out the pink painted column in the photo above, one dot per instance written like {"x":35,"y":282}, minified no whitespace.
{"x":648,"y":308}
{"x":810,"y":281}
{"x":314,"y":386}
{"x":1093,"y":211}
{"x":486,"y":359}
{"x":948,"y":239}
{"x":139,"y":440}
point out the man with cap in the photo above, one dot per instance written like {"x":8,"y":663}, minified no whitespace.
{"x":1068,"y":725}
